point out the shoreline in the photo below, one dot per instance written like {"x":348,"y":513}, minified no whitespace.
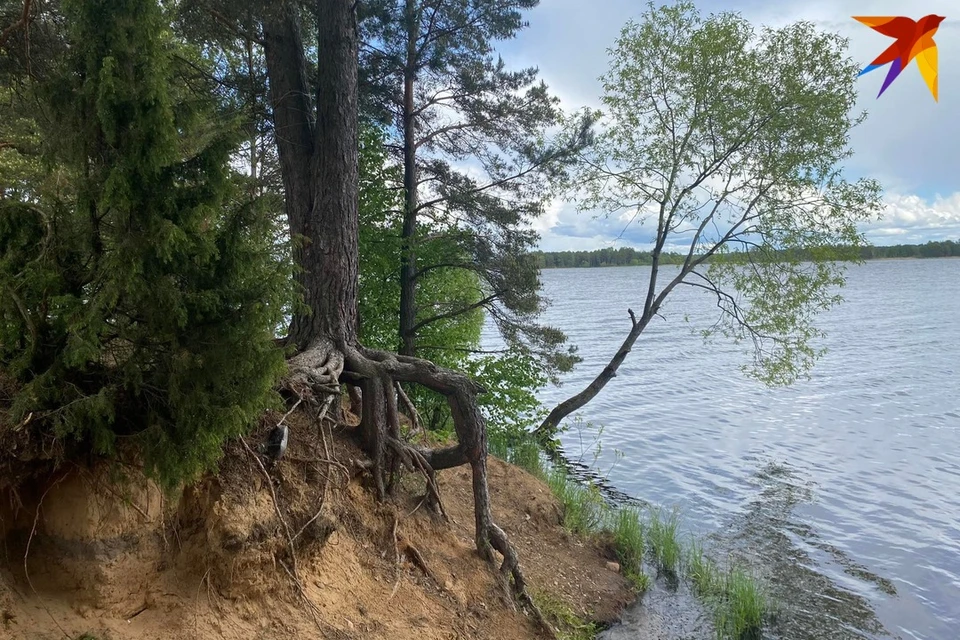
{"x":668,"y":264}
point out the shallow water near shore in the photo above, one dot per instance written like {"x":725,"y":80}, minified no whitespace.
{"x":842,"y":492}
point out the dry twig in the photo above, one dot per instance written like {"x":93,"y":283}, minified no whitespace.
{"x":276,"y":506}
{"x":411,"y":409}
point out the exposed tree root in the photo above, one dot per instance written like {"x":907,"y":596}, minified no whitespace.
{"x":196,"y":615}
{"x":315,"y":372}
{"x":276,"y":505}
{"x":331,"y":464}
{"x":413,"y":554}
{"x":403,"y":548}
{"x":413,"y":459}
{"x":415,"y":422}
{"x":322,"y":367}
{"x":293,"y":571}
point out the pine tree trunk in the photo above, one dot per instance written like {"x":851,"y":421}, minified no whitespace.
{"x":337,"y":173}
{"x":319,"y":163}
{"x":408,"y":259}
{"x":320,"y":174}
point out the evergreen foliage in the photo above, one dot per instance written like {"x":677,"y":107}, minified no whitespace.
{"x":142,"y":277}
{"x":433,"y":78}
{"x":142,"y":297}
{"x":510,"y":377}
{"x":931,"y":249}
{"x":619,"y":257}
{"x":453,"y":291}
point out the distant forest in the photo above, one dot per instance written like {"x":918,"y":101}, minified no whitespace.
{"x":626,"y":256}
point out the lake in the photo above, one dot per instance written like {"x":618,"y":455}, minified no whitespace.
{"x":842,"y":490}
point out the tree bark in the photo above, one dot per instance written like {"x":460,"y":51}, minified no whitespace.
{"x":319,"y":163}
{"x":408,"y":258}
{"x":548,"y":428}
{"x":337,"y":172}
{"x":254,"y":133}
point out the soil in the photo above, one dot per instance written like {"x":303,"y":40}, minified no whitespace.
{"x":86,"y":552}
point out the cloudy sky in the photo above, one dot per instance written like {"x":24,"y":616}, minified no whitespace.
{"x":909,"y":142}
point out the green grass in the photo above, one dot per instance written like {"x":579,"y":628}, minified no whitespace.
{"x":583,"y":507}
{"x":738,"y":601}
{"x":702,"y":572}
{"x":568,"y":624}
{"x":528,"y":457}
{"x":497,"y":444}
{"x":744,"y":608}
{"x":525,"y":454}
{"x":662,"y":534}
{"x":626,"y":526}
{"x":585,"y":512}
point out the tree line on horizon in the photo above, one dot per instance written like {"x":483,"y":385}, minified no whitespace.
{"x":630,"y":257}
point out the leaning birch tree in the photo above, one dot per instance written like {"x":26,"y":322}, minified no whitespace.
{"x":729,"y":141}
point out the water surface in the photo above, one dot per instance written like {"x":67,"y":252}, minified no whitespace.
{"x":844,"y":490}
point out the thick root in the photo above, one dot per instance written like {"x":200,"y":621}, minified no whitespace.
{"x":315,"y":372}
{"x":321,"y":369}
{"x":461,"y":393}
{"x":414,"y":460}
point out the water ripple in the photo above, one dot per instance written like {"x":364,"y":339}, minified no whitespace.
{"x":843,"y":489}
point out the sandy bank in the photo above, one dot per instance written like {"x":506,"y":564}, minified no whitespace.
{"x":127,"y":563}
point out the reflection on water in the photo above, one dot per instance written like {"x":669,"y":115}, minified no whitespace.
{"x":843,"y":491}
{"x":789,"y":556}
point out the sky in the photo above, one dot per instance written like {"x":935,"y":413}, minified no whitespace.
{"x":909,"y":142}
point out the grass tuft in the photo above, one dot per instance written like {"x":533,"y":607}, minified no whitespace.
{"x":497,"y":444}
{"x":583,"y":506}
{"x":585,"y":512}
{"x":664,"y":543}
{"x":568,"y":624}
{"x":738,"y":601}
{"x":626,"y":526}
{"x":702,"y":572}
{"x":745,"y":606}
{"x":527,"y":456}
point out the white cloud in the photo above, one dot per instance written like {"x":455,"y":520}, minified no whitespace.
{"x":550,"y":217}
{"x":909,"y":142}
{"x":909,"y":219}
{"x":906,"y":219}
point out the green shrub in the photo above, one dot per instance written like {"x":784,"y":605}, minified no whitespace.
{"x":148,"y":289}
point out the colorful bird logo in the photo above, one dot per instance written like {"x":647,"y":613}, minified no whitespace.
{"x":914,"y":40}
